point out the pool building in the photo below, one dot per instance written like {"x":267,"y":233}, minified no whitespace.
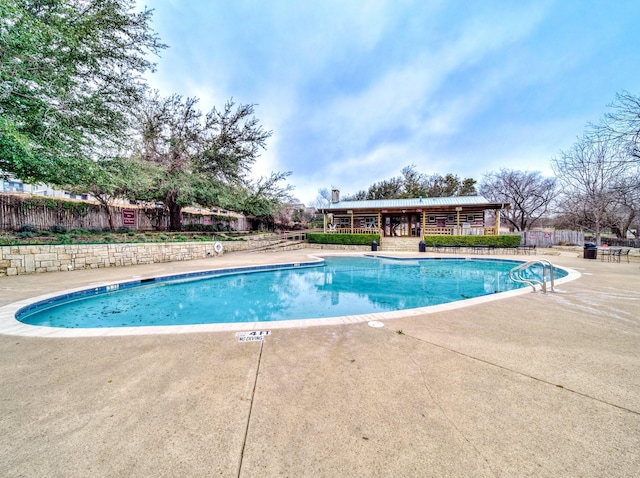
{"x":414,"y":217}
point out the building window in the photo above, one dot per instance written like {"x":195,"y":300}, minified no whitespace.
{"x":344,"y":222}
{"x":470,"y":218}
{"x":451,"y":219}
{"x":432,"y":219}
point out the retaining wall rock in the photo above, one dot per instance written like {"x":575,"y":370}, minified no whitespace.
{"x":30,"y":259}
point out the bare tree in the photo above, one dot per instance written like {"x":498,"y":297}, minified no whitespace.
{"x":627,"y":199}
{"x":322,"y":200}
{"x":588,"y":174}
{"x":529,"y":193}
{"x":623,"y":123}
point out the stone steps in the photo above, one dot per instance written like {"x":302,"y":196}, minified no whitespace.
{"x":278,"y":246}
{"x":399,"y":244}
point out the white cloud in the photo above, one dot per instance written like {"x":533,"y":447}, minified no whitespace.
{"x":356,"y":90}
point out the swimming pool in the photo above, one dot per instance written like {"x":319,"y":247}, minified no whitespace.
{"x":335,"y":287}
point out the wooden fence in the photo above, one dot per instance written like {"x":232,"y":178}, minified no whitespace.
{"x":552,"y":238}
{"x":17,"y":210}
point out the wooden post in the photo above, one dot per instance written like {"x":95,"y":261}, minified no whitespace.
{"x":497,"y":229}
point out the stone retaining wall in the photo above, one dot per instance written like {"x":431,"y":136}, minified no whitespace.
{"x":30,"y":259}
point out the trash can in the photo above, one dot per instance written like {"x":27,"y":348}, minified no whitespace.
{"x":590,"y":250}
{"x":374,"y":246}
{"x":422,"y":247}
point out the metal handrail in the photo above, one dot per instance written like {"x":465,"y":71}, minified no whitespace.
{"x":515,"y":275}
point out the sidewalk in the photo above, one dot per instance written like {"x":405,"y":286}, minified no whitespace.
{"x":533,"y":385}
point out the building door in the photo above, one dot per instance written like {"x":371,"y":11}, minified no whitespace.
{"x":415,"y":226}
{"x":402,"y":225}
{"x":393,"y":226}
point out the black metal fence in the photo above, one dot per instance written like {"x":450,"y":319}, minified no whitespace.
{"x":612,"y":241}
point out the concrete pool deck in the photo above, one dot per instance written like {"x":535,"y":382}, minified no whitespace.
{"x":531,"y":385}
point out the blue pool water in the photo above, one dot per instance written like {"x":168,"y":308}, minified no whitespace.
{"x":338,"y":286}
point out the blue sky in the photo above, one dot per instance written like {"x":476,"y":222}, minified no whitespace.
{"x":356,"y":90}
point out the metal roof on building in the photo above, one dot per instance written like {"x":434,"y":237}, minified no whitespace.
{"x":412,"y":203}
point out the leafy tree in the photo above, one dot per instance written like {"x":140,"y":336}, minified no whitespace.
{"x":70,"y":72}
{"x":529,"y":193}
{"x":468,"y":187}
{"x":265,"y":197}
{"x":413,"y":184}
{"x":358,"y":196}
{"x":201,"y":156}
{"x":387,"y":189}
{"x":449,"y":185}
{"x":116,"y":178}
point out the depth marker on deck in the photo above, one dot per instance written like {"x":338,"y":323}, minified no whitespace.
{"x":253,"y":336}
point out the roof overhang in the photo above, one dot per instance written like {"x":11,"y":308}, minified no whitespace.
{"x":415,"y":205}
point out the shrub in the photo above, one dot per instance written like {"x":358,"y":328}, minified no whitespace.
{"x":217,"y":227}
{"x":58,"y":229}
{"x":25,"y":234}
{"x":343,"y":239}
{"x":198,"y":227}
{"x":28,"y":228}
{"x":123,"y":230}
{"x":506,"y":240}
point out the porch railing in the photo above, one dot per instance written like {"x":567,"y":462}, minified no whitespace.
{"x":352,"y":230}
{"x":462,"y":231}
{"x":429,"y":231}
{"x":439,"y":231}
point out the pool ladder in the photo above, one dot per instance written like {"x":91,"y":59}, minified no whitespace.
{"x":516,"y":274}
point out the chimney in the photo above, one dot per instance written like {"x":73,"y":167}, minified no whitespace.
{"x":335,"y":195}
